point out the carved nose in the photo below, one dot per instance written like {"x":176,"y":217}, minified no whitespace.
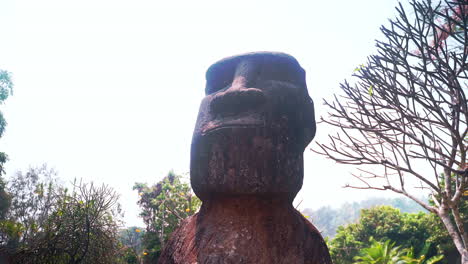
{"x":240,"y":97}
{"x":237,"y":98}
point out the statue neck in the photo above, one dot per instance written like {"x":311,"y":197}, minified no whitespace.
{"x":238,"y":205}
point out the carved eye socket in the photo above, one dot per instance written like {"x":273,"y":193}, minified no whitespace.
{"x":218,"y":79}
{"x":221,"y":75}
{"x":284,"y":73}
{"x":214,"y":87}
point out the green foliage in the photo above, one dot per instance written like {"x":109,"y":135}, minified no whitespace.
{"x":9,"y":231}
{"x":421,"y":258}
{"x":48,"y":223}
{"x":129,"y":256}
{"x":6,"y":85}
{"x":6,"y":88}
{"x":384,"y":223}
{"x":328,"y":219}
{"x":5,"y":199}
{"x":380,"y":253}
{"x":164,"y":206}
{"x":132,"y":242}
{"x":32,"y":200}
{"x":387,"y":253}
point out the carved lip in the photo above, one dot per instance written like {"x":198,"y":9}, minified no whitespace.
{"x":243,"y":122}
{"x":213,"y":129}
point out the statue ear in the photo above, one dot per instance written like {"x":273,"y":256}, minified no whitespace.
{"x":310,"y":127}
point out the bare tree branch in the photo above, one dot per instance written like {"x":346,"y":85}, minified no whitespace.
{"x":406,"y":111}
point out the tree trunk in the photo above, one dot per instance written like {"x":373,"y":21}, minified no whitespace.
{"x":464,"y":257}
{"x":453,"y":232}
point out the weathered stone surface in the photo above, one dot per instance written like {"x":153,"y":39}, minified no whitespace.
{"x":246,"y":229}
{"x":247,"y":167}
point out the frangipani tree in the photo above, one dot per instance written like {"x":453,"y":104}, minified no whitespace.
{"x":406,"y":112}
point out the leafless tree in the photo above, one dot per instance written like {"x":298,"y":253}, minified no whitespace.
{"x":48,"y":223}
{"x":405,"y":112}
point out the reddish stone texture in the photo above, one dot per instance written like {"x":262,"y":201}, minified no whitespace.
{"x":247,"y":167}
{"x":246,"y":230}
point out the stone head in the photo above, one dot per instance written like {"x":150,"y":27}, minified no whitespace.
{"x":252,"y":128}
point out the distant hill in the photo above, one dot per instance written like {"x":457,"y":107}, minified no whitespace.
{"x":327,"y":219}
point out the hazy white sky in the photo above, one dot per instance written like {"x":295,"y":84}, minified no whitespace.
{"x":108,"y":90}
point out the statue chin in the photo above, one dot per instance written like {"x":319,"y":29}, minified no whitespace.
{"x":241,"y":160}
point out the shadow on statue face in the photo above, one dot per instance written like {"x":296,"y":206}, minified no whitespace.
{"x":256,"y":119}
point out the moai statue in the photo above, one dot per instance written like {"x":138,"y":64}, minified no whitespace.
{"x":247,"y":167}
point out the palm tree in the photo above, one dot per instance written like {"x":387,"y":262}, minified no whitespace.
{"x":380,"y":253}
{"x":412,"y":258}
{"x":387,"y":253}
